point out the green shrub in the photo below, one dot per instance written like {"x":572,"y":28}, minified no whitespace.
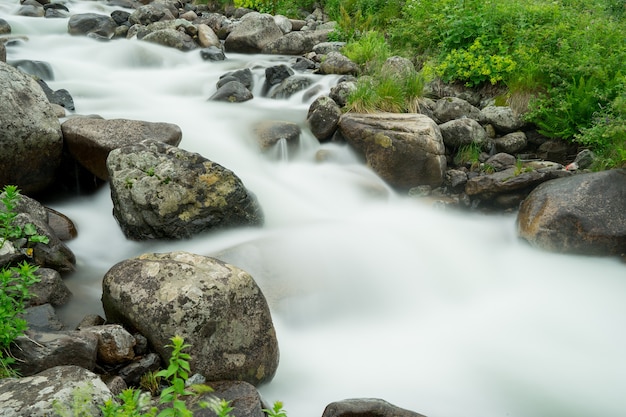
{"x":14,"y":291}
{"x":475,"y":65}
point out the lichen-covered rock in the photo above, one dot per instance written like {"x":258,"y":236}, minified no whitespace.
{"x":34,"y":396}
{"x":582,"y":214}
{"x":30,"y":137}
{"x":160,"y":191}
{"x":406,"y":150}
{"x":156,"y":11}
{"x":90,"y":141}
{"x":216,"y":307}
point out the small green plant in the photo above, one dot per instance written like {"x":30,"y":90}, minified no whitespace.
{"x":151,"y":382}
{"x":520,"y":168}
{"x":133,"y":402}
{"x":10,"y":198}
{"x":468,"y":155}
{"x":221,"y":407}
{"x":14,"y":291}
{"x":276,"y":410}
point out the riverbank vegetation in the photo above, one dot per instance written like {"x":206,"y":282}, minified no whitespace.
{"x":559,"y":62}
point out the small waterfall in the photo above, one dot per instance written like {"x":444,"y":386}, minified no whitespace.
{"x":282,"y":150}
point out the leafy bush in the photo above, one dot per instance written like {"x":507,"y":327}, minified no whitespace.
{"x":475,"y":65}
{"x":14,"y":291}
{"x":14,"y":281}
{"x":283,"y":7}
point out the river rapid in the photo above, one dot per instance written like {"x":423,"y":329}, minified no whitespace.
{"x":373,"y":294}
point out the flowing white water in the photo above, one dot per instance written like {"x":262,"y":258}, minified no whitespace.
{"x":372,"y":294}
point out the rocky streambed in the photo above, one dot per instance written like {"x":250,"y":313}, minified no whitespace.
{"x":159,"y":190}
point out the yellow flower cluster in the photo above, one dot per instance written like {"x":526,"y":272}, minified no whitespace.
{"x":475,"y":65}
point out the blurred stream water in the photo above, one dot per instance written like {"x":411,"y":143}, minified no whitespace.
{"x":373,"y":294}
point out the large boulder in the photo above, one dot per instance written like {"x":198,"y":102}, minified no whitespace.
{"x":90,"y":141}
{"x":30,"y":137}
{"x":406,"y":150}
{"x":296,"y":43}
{"x":36,"y":395}
{"x":583,"y":214}
{"x":252,"y":34}
{"x":160,"y":191}
{"x":216,"y":307}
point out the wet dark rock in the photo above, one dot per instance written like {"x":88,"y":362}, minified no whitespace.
{"x":581,"y":214}
{"x":49,"y":290}
{"x":366,"y":407}
{"x":277,"y":73}
{"x":61,"y":97}
{"x":232,"y":92}
{"x":92,"y":23}
{"x":244,"y":76}
{"x":39,"y":69}
{"x":212,"y":53}
{"x":323,"y":117}
{"x":41,"y":350}
{"x":269,"y":132}
{"x":290,"y":86}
